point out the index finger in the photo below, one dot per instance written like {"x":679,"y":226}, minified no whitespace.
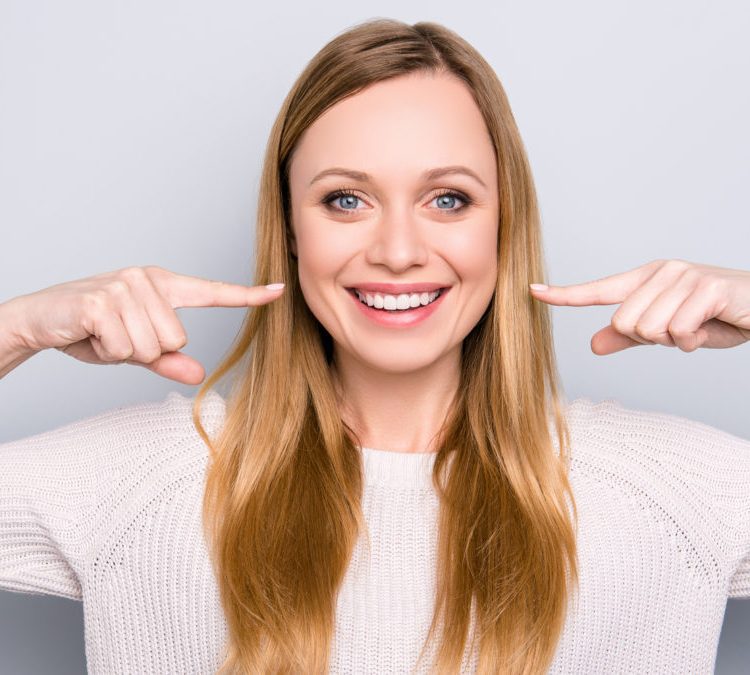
{"x":609,"y":290}
{"x":181,"y":290}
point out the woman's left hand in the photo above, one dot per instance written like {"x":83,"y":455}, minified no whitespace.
{"x":668,"y":302}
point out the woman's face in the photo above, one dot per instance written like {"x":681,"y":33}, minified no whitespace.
{"x":397,"y":225}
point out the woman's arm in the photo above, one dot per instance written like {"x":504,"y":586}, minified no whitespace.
{"x":125,"y":316}
{"x":687,"y":305}
{"x":12,"y":350}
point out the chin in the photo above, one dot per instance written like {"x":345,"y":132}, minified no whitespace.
{"x":401,"y":363}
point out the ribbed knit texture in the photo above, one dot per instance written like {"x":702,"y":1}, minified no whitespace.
{"x":106,"y":510}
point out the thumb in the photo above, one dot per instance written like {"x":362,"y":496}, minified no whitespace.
{"x":176,"y":366}
{"x":608,"y":341}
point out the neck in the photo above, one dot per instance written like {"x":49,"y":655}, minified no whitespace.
{"x":399,"y":412}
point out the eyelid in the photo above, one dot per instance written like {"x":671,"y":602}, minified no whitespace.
{"x":344,"y":191}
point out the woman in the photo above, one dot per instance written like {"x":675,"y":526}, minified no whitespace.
{"x":393,"y":483}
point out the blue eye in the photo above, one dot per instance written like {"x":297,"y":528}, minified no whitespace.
{"x":349,"y":199}
{"x":346,"y":197}
{"x":447,"y":196}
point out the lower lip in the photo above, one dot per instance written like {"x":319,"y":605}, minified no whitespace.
{"x":399,"y":318}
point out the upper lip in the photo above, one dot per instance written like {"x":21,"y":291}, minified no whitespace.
{"x":396,"y":289}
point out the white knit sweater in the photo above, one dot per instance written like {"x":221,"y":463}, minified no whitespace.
{"x":107,"y":511}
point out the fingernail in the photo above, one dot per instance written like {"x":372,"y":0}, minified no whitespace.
{"x":538,"y":287}
{"x":274,"y":287}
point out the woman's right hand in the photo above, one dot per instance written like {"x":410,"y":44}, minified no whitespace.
{"x":126,"y":316}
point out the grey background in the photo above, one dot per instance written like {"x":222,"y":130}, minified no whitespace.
{"x":132,"y":134}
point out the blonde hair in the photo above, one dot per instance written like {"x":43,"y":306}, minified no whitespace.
{"x":282,"y":503}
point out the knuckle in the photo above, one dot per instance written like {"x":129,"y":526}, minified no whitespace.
{"x":95,"y":302}
{"x":156,"y":275}
{"x":153,"y":270}
{"x":121,"y":353}
{"x":150,"y":355}
{"x":712,"y":284}
{"x":132,"y":274}
{"x":676,"y":265}
{"x":691,"y":275}
{"x":678,"y":331}
{"x":647,"y":331}
{"x":175,"y":342}
{"x":118,"y":288}
{"x":620,"y":324}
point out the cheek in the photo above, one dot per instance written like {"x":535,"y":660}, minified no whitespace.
{"x":323,"y":250}
{"x":473,"y":253}
{"x":473,"y":256}
{"x":320,"y":251}
{"x":319,"y":237}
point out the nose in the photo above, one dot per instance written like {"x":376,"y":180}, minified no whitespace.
{"x":397,"y":243}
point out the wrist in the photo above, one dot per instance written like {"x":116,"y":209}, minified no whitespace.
{"x":13,"y":348}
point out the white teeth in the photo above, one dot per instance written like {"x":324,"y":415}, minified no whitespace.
{"x":397,"y":302}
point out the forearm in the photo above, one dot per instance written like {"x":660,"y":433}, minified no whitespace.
{"x":12,"y":351}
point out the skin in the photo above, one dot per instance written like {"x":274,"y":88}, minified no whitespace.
{"x":395,"y":384}
{"x":125,"y":316}
{"x":674,"y":303}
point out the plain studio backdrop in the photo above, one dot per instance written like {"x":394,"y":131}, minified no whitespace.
{"x":133,"y":133}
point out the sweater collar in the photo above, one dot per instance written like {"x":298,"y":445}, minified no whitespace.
{"x":398,"y":469}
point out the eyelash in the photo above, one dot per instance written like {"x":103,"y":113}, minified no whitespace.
{"x":345,"y":192}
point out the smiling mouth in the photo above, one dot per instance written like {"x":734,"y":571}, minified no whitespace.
{"x":402,"y":302}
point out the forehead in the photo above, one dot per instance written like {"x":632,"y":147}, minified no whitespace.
{"x":399,"y":128}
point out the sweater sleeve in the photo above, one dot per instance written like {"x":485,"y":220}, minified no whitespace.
{"x":712,"y":467}
{"x":728,"y":485}
{"x":50,"y":489}
{"x":739,"y":585}
{"x":695,"y":479}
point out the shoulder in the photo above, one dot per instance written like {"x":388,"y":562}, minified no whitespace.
{"x":156,"y":461}
{"x":608,"y":429}
{"x":81,"y":485}
{"x":133,"y":421}
{"x":150,"y":483}
{"x":163,"y":432}
{"x":124,"y":439}
{"x":684,"y":472}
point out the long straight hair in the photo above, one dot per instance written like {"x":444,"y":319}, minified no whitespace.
{"x":282,"y":503}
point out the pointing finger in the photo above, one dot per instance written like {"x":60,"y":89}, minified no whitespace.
{"x":609,"y":290}
{"x":187,"y":291}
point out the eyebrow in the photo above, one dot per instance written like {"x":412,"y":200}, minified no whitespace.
{"x":430,"y":174}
